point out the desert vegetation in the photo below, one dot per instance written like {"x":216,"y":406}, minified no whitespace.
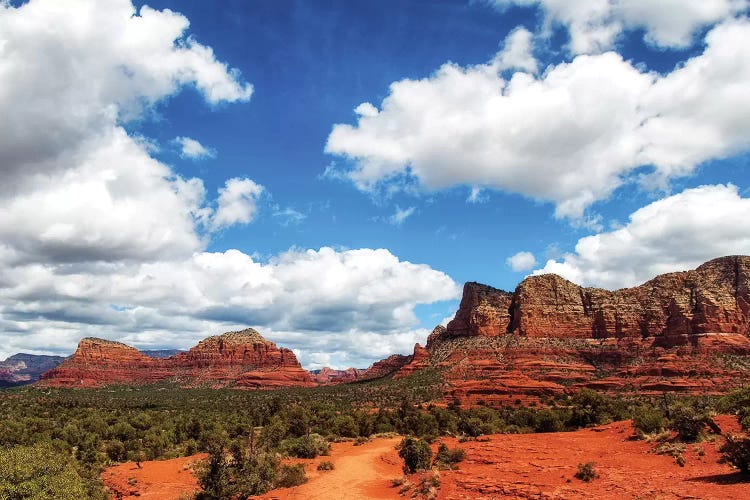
{"x":247,"y":433}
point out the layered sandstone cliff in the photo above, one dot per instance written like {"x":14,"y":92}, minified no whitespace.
{"x":713,"y":298}
{"x":242,"y":359}
{"x":686,"y":331}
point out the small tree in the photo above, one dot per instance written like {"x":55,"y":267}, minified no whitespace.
{"x":39,"y":472}
{"x":416,"y":454}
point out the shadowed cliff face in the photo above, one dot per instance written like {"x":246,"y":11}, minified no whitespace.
{"x":713,"y":298}
{"x":242,"y":359}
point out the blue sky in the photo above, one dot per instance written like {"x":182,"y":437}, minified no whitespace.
{"x":606,"y":141}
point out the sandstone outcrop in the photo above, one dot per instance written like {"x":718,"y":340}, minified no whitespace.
{"x":243,"y":359}
{"x":713,"y":298}
{"x":685,"y":332}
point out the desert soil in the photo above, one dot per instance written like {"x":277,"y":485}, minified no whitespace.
{"x":157,"y":480}
{"x":503,"y":466}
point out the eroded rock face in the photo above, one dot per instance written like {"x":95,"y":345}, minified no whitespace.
{"x":685,"y":332}
{"x":244,"y":359}
{"x":713,"y":298}
{"x":483,"y":311}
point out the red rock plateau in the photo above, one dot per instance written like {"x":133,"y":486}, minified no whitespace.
{"x":684,"y":332}
{"x":237,"y":359}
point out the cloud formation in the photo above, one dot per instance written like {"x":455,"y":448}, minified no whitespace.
{"x":98,"y":238}
{"x":595,"y":25}
{"x":323,"y":298}
{"x":571,"y":135}
{"x":400,"y":215}
{"x":522,"y":261}
{"x":672,"y":234}
{"x":193,"y":150}
{"x":237,"y":203}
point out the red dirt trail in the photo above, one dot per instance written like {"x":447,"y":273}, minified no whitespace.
{"x":360,"y":472}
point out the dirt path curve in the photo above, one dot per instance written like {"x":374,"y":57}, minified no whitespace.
{"x":361,"y":472}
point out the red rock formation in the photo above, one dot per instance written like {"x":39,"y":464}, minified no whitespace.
{"x":379,"y":369}
{"x":243,"y":359}
{"x":483,"y":311}
{"x":685,"y":332}
{"x":713,"y":298}
{"x":328,"y":375}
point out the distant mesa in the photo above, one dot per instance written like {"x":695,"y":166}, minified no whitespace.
{"x":161,"y":353}
{"x":23,"y":368}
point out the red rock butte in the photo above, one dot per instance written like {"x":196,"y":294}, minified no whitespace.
{"x":684,"y":332}
{"x":235,"y":359}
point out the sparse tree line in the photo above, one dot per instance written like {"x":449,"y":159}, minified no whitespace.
{"x":54,"y":444}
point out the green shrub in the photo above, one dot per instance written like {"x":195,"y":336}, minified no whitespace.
{"x":736,"y":451}
{"x":242,"y":473}
{"x":688,"y":422}
{"x":38,"y":472}
{"x":326,"y":465}
{"x":290,"y":475}
{"x":590,"y":408}
{"x":470,"y":426}
{"x":416,"y":454}
{"x":648,"y":420}
{"x":306,"y":446}
{"x":586,"y":472}
{"x":448,"y":457}
{"x":738,"y":403}
{"x":549,"y":420}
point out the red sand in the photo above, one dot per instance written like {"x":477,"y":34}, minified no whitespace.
{"x":543,"y":466}
{"x":157,"y":480}
{"x":361,"y":472}
{"x":505,"y":466}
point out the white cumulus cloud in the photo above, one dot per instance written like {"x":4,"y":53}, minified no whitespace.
{"x":517,"y":52}
{"x":237,"y":203}
{"x":322,"y":300}
{"x":522,"y":261}
{"x":98,"y":238}
{"x":676,"y":233}
{"x":594,"y":25}
{"x":193,"y":150}
{"x":571,"y":135}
